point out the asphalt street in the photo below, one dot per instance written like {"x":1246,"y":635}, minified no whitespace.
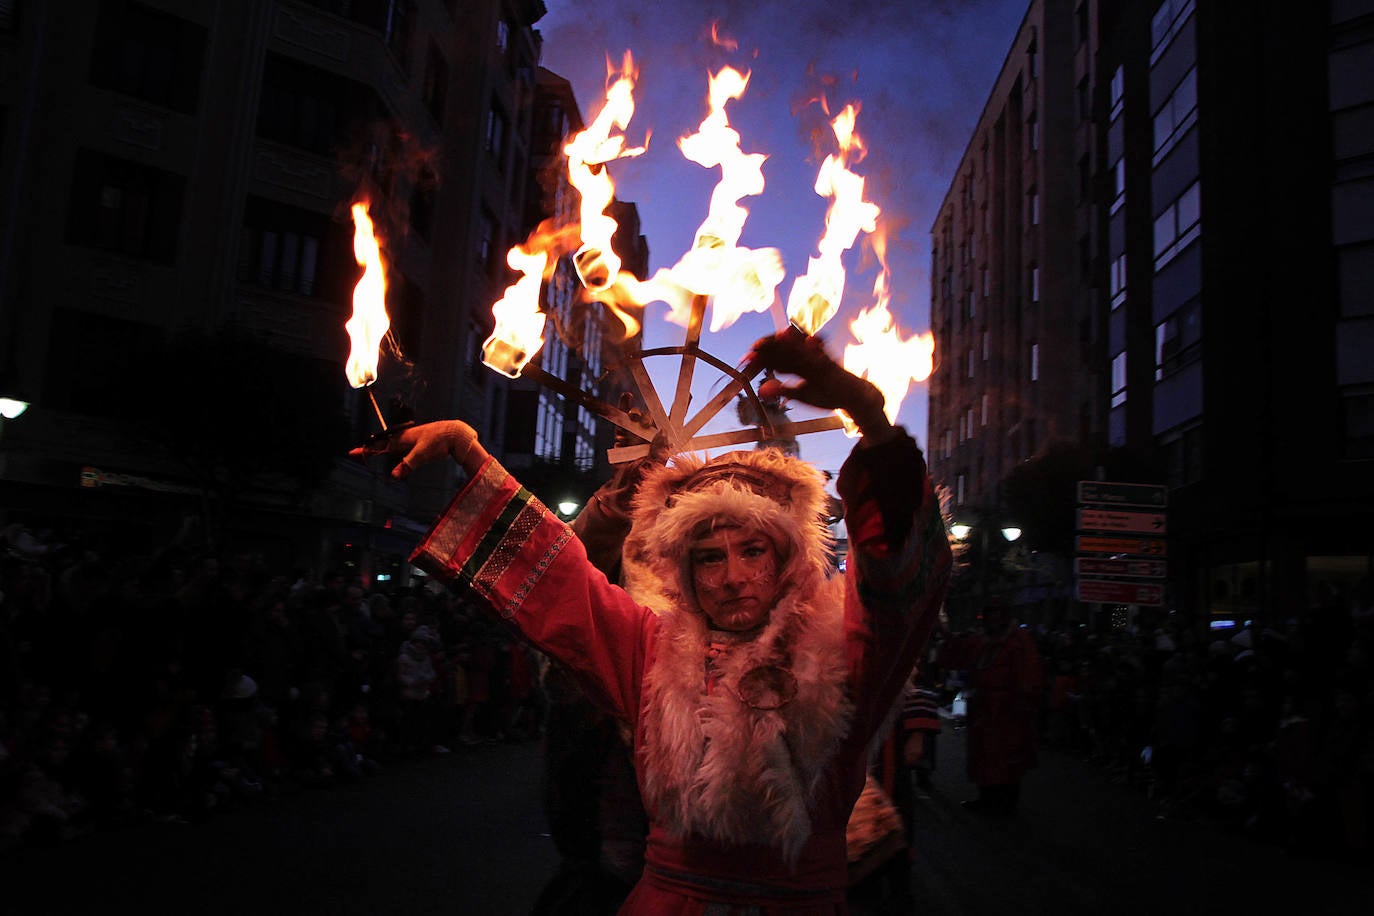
{"x":464,"y":834}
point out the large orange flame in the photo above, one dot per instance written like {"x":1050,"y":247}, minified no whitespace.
{"x":739,"y":280}
{"x":816,"y":295}
{"x":369,"y":324}
{"x":880,"y":353}
{"x":519,"y":333}
{"x":597,"y":264}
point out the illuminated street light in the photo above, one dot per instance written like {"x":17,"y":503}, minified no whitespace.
{"x":1011,"y":532}
{"x":11,"y":408}
{"x":567,"y":507}
{"x":960,"y":530}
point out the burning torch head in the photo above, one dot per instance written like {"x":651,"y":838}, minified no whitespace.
{"x":596,"y":268}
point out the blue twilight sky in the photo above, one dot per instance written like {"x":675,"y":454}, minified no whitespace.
{"x":920,"y":69}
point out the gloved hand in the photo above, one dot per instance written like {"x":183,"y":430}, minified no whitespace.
{"x":824,"y":382}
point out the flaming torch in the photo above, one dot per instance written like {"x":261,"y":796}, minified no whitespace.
{"x":816,"y":295}
{"x":880,"y":353}
{"x":369,"y":324}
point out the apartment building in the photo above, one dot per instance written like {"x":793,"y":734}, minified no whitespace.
{"x":185,"y":166}
{"x":1214,"y":173}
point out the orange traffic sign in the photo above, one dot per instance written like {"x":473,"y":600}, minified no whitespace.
{"x":1112,"y":566}
{"x":1120,"y":592}
{"x":1141,"y":547}
{"x":1115,"y":520}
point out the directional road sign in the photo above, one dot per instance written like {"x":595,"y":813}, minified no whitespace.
{"x":1139,"y":569}
{"x":1113,"y":520}
{"x":1110,"y":493}
{"x":1120,"y":592}
{"x":1141,"y":547}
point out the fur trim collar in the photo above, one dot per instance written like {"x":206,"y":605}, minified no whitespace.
{"x":719,"y":768}
{"x":765,"y":489}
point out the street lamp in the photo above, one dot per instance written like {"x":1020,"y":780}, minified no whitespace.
{"x":12,"y":403}
{"x":567,"y":507}
{"x":962,"y":530}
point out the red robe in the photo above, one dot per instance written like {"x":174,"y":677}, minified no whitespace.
{"x":503,"y":544}
{"x":1006,"y":681}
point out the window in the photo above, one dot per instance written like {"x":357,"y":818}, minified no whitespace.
{"x":1358,"y":415}
{"x":1118,"y":281}
{"x":1118,"y":183}
{"x":1035,"y":362}
{"x":502,"y":36}
{"x":90,"y":350}
{"x":486,"y":240}
{"x":435,"y":88}
{"x":1035,"y":284}
{"x":963,"y":430}
{"x":1178,"y":340}
{"x":1164,"y":25}
{"x":1085,"y":100}
{"x":1033,"y":207}
{"x":1032,"y":65}
{"x":1118,"y":92}
{"x":1177,"y":114}
{"x":970,"y":363}
{"x":985,"y":410}
{"x":1032,"y":133}
{"x":296,"y":251}
{"x":145,"y":53}
{"x":400,"y":21}
{"x":949,"y":443}
{"x":1119,"y":379}
{"x":1178,"y":225}
{"x":125,"y":207}
{"x":985,"y":346}
{"x":987,"y":283}
{"x":970,"y":422}
{"x":309,"y":108}
{"x":496,"y":133}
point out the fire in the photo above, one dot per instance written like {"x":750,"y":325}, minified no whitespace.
{"x":519,"y":332}
{"x":369,"y":324}
{"x":881,"y":354}
{"x":739,"y":280}
{"x":597,"y":264}
{"x":816,"y":295}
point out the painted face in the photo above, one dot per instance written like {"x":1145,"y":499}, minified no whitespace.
{"x":735,"y":574}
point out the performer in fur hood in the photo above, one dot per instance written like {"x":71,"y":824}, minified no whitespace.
{"x":753,"y":675}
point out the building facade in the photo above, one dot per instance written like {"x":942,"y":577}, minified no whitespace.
{"x":184,"y":166}
{"x":1204,"y":303}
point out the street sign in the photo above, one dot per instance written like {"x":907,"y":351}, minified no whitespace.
{"x":1120,"y":592}
{"x":1112,"y":520}
{"x":1140,"y":569}
{"x":1143,"y":547}
{"x":1149,"y":495}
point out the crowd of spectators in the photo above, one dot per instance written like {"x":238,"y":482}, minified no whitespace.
{"x":172,"y":684}
{"x":1265,"y":729}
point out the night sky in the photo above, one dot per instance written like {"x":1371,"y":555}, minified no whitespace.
{"x":920,"y":69}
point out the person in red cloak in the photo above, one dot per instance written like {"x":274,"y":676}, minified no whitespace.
{"x":1006,"y":682}
{"x":754,"y":677}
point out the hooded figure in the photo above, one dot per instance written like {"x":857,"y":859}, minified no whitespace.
{"x":752,"y":674}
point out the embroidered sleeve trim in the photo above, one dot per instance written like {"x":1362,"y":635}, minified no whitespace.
{"x":487,"y":532}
